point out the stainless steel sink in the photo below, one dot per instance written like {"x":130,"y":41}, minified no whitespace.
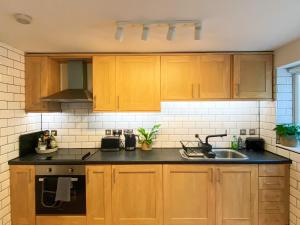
{"x":223,"y":154}
{"x":228,"y":154}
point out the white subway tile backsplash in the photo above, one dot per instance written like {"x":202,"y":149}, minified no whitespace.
{"x":179,"y":120}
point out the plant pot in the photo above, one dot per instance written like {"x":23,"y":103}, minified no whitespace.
{"x":289,"y":141}
{"x":146,"y":147}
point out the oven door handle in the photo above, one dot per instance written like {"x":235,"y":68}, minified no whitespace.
{"x":72,"y":179}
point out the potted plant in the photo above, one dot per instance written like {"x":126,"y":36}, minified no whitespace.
{"x":146,"y":138}
{"x":288,"y":134}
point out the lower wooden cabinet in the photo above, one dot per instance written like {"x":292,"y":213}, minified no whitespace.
{"x":60,"y":220}
{"x":98,"y":197}
{"x":189,"y":195}
{"x":273,"y":194}
{"x":137,"y":195}
{"x":237,"y":195}
{"x":22,"y":189}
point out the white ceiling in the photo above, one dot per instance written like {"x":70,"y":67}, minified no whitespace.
{"x":89,"y":25}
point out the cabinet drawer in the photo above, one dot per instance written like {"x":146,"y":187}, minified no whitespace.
{"x":60,"y":220}
{"x":272,"y":219}
{"x":271,"y":196}
{"x":272,"y":207}
{"x":271,"y":183}
{"x":272,"y":170}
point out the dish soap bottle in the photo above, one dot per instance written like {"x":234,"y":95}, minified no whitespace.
{"x":234,"y":143}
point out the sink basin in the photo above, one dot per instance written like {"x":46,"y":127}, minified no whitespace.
{"x":223,"y":154}
{"x":228,"y":154}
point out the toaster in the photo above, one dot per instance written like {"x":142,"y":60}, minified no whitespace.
{"x":110,"y":144}
{"x":255,"y":144}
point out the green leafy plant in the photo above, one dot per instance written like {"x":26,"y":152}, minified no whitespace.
{"x":287,"y":130}
{"x":148,"y":136}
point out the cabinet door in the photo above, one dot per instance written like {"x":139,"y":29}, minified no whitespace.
{"x":22,"y":189}
{"x":98,"y":195}
{"x":189,"y":195}
{"x":213,"y":77}
{"x":178,"y":77}
{"x":42,"y":78}
{"x":104,"y":83}
{"x":60,"y":220}
{"x":138,"y":83}
{"x":252,"y":76}
{"x":137,"y":195}
{"x":237,"y":195}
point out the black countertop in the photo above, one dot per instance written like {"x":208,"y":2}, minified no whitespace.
{"x":156,"y":156}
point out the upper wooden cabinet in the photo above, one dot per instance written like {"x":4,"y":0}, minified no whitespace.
{"x":42,"y":78}
{"x":22,"y":189}
{"x":189,"y":195}
{"x":237,"y":195}
{"x":104,"y":83}
{"x":126,"y":83}
{"x":195,"y":77}
{"x":137,"y":195}
{"x":138,"y":83}
{"x":98,"y":195}
{"x":213,"y":76}
{"x":178,"y":75}
{"x":252,"y":76}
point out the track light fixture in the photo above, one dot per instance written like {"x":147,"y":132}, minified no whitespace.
{"x":145,"y":33}
{"x":171,"y":32}
{"x":172,"y":25}
{"x":197,"y":34}
{"x":119,"y":33}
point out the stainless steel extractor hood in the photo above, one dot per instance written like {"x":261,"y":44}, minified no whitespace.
{"x":74,"y":84}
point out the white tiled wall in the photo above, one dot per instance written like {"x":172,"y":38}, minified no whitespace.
{"x":13,"y":120}
{"x":284,"y":97}
{"x":79,"y":127}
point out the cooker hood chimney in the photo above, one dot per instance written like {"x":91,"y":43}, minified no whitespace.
{"x":75,"y":77}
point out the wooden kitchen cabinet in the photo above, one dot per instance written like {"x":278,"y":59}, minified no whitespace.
{"x":213,"y":76}
{"x":252,"y":76}
{"x":178,"y":74}
{"x":273,"y":194}
{"x":195,"y":77}
{"x":42,"y":78}
{"x":138,"y":83}
{"x":137,"y":195}
{"x":104,"y":83}
{"x":189,"y":195}
{"x":98,"y":195}
{"x":60,"y":220}
{"x":22,"y":191}
{"x":237,"y":195}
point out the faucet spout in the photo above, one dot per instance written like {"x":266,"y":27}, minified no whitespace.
{"x":214,"y":135}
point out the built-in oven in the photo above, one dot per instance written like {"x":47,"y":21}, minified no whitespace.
{"x":48,"y":188}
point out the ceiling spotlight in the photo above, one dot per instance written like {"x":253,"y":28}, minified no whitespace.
{"x":171,"y":32}
{"x":119,"y":33}
{"x":145,"y":34}
{"x":197,"y":34}
{"x":23,"y":18}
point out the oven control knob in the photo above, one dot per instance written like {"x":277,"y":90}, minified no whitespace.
{"x":49,"y":170}
{"x":71,"y":170}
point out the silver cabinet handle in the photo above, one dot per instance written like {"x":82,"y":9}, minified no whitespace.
{"x":192,"y":90}
{"x":95,"y":102}
{"x":237,"y":89}
{"x":199,"y":88}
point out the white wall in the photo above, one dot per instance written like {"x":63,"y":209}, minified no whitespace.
{"x":287,"y":54}
{"x":13,"y":120}
{"x":79,"y":127}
